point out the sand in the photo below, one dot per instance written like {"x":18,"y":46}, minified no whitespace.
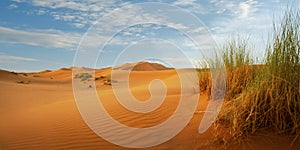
{"x":38,"y":111}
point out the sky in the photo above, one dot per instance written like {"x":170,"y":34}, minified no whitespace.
{"x":50,"y":34}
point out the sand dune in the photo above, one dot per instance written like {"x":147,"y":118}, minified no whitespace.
{"x":42,"y":113}
{"x":142,"y":66}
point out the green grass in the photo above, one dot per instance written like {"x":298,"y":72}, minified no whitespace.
{"x":263,"y":96}
{"x":83,"y":76}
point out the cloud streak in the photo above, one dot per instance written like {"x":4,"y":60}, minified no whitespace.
{"x":45,"y":38}
{"x":9,"y":58}
{"x":78,"y":13}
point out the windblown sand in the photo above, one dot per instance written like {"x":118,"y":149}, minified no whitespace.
{"x":38,"y":111}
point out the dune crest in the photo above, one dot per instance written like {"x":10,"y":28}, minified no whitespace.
{"x":142,"y":66}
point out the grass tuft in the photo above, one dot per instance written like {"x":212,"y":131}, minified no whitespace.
{"x":263,"y":96}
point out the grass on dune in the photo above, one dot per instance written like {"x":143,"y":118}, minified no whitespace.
{"x":263,"y":96}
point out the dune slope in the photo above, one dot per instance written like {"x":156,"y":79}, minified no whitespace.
{"x":41,"y":113}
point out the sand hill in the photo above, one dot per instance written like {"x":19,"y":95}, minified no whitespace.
{"x":38,"y":111}
{"x":142,"y":66}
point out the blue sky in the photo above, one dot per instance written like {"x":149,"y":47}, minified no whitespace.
{"x":37,"y":35}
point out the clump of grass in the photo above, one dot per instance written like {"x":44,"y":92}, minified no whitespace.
{"x":239,"y":67}
{"x":268,"y":96}
{"x":204,"y":77}
{"x":83,"y":76}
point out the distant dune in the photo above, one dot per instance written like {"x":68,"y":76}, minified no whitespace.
{"x":142,"y":66}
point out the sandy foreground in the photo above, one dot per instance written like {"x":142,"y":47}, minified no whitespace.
{"x":38,"y":111}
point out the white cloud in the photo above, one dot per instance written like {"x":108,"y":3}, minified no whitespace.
{"x":13,"y":6}
{"x":191,"y":6}
{"x":78,"y":25}
{"x":184,"y":2}
{"x":177,"y":26}
{"x":88,"y":5}
{"x":84,"y":13}
{"x":46,"y":38}
{"x":242,"y":9}
{"x":42,"y":11}
{"x":247,"y":8}
{"x":4,"y":58}
{"x":244,"y":17}
{"x":18,"y":1}
{"x":78,"y":13}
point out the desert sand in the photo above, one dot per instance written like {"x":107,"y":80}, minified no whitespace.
{"x":38,"y":111}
